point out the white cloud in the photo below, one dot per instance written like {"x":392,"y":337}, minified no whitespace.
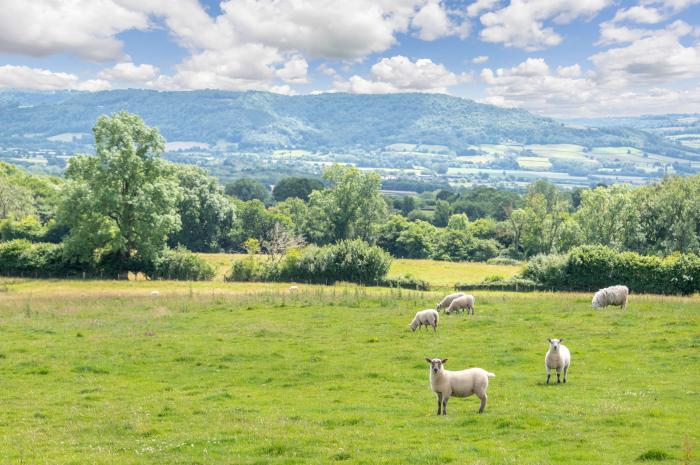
{"x":480,"y":59}
{"x":653,"y":57}
{"x":521,"y":24}
{"x":129,"y":72}
{"x":566,"y":93}
{"x":478,"y":6}
{"x":433,"y":22}
{"x":24,"y":77}
{"x":84,"y":27}
{"x":399,"y":74}
{"x":639,"y":14}
{"x":294,"y":70}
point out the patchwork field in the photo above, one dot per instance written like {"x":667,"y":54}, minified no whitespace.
{"x":212,"y":373}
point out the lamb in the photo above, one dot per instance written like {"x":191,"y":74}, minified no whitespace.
{"x":445,"y":383}
{"x":425,"y":318}
{"x":460,"y":303}
{"x":445,"y":302}
{"x":614,"y":295}
{"x":155,"y":294}
{"x":558,"y":358}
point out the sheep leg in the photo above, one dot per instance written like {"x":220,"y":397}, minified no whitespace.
{"x":565,"y":370}
{"x":439,"y":397}
{"x":548,"y":374}
{"x":558,"y":381}
{"x":444,"y":405}
{"x":483,"y":398}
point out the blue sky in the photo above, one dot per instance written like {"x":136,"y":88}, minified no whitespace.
{"x":558,"y":58}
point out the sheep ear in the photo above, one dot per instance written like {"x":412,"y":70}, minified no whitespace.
{"x":561,"y":340}
{"x":549,"y":339}
{"x":428,"y":360}
{"x":444,"y":360}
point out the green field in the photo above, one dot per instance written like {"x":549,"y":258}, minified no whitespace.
{"x":437,"y":273}
{"x":211,"y":373}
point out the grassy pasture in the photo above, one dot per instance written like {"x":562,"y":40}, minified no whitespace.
{"x":101,"y":373}
{"x":437,"y":273}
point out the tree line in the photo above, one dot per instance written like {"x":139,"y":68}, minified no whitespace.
{"x":127,"y":209}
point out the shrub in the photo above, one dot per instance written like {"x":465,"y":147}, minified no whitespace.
{"x":503,"y":261}
{"x":353,"y":261}
{"x":509,"y":284}
{"x":406,"y":282}
{"x":42,"y":259}
{"x":181,"y":264}
{"x":593,"y":267}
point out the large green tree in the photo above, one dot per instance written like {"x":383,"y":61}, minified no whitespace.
{"x":352,"y":207}
{"x":121,"y":203}
{"x":293,"y":187}
{"x":247,"y":189}
{"x":206,"y":213}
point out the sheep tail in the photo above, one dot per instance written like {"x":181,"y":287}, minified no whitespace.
{"x":490,"y":375}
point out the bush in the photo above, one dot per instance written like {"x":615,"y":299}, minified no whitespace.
{"x":42,"y":259}
{"x":515,"y":283}
{"x":180,"y":264}
{"x":406,"y":282}
{"x":503,"y":261}
{"x":352,"y":261}
{"x":588,"y":268}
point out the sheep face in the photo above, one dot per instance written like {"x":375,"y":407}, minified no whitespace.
{"x":436,"y":364}
{"x":554,"y":343}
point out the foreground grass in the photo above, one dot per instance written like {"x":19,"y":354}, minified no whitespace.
{"x":102,"y":373}
{"x":437,"y":273}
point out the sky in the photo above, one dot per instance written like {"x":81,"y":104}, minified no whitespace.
{"x":565,"y":58}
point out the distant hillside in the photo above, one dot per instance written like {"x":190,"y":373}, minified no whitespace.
{"x":253,"y":121}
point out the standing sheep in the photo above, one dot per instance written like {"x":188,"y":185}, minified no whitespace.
{"x":425,"y":318}
{"x":460,"y":303}
{"x":613,"y":295}
{"x":447,"y":300}
{"x":558,"y":358}
{"x":464,"y":383}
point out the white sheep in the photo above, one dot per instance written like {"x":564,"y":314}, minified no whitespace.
{"x":155,"y":294}
{"x":446,"y":384}
{"x":425,"y":318}
{"x":293,"y":288}
{"x":558,"y":358}
{"x":460,"y":303}
{"x":447,"y":300}
{"x":613,"y":295}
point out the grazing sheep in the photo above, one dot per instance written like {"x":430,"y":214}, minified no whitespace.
{"x":155,"y":294}
{"x":613,"y":295}
{"x":445,"y":302}
{"x":446,"y":384}
{"x":425,"y":318}
{"x":293,"y":288}
{"x":460,"y":303}
{"x":558,"y":358}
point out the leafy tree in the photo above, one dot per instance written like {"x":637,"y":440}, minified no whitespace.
{"x":442,"y":213}
{"x":408,"y":204}
{"x":352,"y":206}
{"x":606,"y":215}
{"x":253,"y":220}
{"x":418,"y":240}
{"x":246,"y":189}
{"x":458,"y":222}
{"x":120,"y":204}
{"x":15,"y":201}
{"x":205,"y":212}
{"x":297,"y":210}
{"x":293,"y":187}
{"x":486,"y":202}
{"x":389,"y":233}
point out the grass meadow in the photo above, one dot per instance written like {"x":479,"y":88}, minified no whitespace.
{"x":438,"y":273}
{"x":99,"y":372}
